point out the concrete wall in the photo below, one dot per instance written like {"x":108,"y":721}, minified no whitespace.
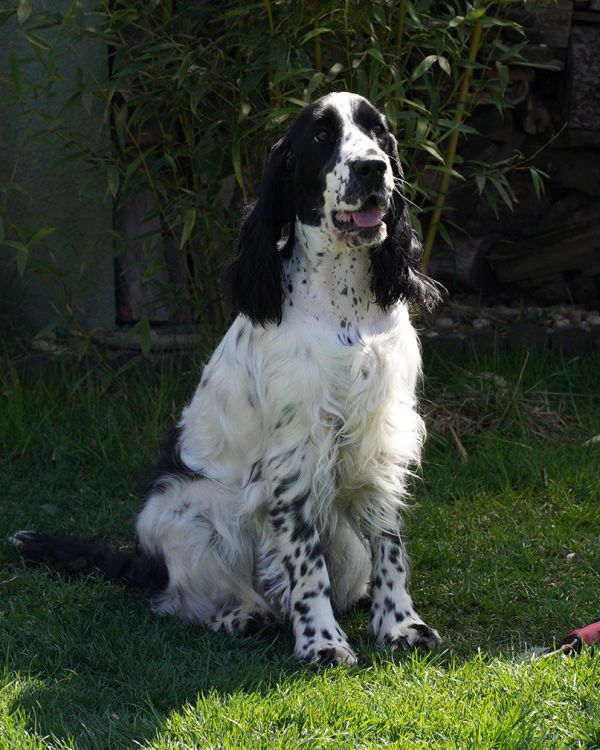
{"x":62,"y":194}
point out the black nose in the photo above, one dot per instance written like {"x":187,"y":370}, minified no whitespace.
{"x":365,"y":168}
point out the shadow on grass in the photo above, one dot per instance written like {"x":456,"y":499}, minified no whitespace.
{"x":101,"y":671}
{"x":107,"y":672}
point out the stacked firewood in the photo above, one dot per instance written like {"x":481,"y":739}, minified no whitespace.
{"x":547,"y":247}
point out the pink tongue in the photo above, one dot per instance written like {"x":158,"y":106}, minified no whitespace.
{"x":367,"y":217}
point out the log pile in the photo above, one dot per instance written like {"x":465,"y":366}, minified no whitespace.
{"x":548,"y":248}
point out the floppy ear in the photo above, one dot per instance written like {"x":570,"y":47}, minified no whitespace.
{"x":395,"y":273}
{"x":253,"y":282}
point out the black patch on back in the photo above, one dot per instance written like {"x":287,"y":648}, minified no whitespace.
{"x":169,"y":464}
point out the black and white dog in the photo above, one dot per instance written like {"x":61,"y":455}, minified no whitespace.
{"x":280,"y":492}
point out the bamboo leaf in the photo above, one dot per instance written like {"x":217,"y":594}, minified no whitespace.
{"x":537,"y":180}
{"x":112,"y":177}
{"x":23,"y":10}
{"x":432,"y":150}
{"x":504,"y":192}
{"x":423,"y":66}
{"x":21,"y":259}
{"x":502,"y":74}
{"x":189,"y":220}
{"x":22,"y":255}
{"x":491,"y":198}
{"x":5,"y":15}
{"x":236,"y":160}
{"x":36,"y":41}
{"x":441,"y":227}
{"x":40,"y":234}
{"x":312,"y":34}
{"x":375,"y":53}
{"x":444,"y":65}
{"x":314,"y":83}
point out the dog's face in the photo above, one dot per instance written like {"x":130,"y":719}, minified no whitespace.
{"x":343,"y":158}
{"x":337,"y":168}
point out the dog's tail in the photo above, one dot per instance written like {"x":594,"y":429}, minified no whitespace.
{"x":78,"y":555}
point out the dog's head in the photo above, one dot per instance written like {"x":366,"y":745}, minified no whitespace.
{"x":336,"y":168}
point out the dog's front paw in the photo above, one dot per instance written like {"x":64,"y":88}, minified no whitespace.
{"x":408,"y":634}
{"x":326,"y":651}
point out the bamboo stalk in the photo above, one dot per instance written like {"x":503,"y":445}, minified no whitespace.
{"x":463,"y":98}
{"x":267,"y":4}
{"x":318,"y":56}
{"x":400,"y":28}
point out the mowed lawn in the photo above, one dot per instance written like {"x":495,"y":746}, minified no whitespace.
{"x":504,"y":534}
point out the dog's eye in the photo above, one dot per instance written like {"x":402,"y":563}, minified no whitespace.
{"x":378,"y":129}
{"x":322,"y":135}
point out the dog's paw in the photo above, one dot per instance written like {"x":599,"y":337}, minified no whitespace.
{"x":327,"y":653}
{"x":408,"y":634}
{"x":22,"y":538}
{"x":417,"y":635}
{"x":244,"y":620}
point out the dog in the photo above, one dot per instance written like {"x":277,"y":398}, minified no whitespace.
{"x":280,"y":493}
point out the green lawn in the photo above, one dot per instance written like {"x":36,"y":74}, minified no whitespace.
{"x":505,"y":549}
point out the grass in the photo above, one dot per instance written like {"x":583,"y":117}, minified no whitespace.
{"x":504,"y":538}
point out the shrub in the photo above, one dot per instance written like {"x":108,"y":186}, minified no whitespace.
{"x":198,"y":91}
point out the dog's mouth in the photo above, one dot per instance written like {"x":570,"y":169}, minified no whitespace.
{"x":368,"y":217}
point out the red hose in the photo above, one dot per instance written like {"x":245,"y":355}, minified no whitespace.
{"x":576,"y":639}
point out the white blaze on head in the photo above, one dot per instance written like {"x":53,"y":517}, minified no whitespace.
{"x":342,"y":194}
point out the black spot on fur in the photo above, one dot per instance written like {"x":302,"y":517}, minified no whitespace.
{"x":255,"y":471}
{"x":286,"y":483}
{"x":240,"y":335}
{"x":169,"y":464}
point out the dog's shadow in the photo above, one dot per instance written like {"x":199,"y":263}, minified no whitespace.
{"x":100,"y":670}
{"x":103,"y":671}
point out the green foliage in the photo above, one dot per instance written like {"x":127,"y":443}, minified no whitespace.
{"x":198,"y":92}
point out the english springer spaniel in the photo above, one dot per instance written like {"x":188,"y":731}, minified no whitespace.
{"x":280,"y":493}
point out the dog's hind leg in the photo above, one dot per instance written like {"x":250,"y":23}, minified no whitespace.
{"x":193,"y":525}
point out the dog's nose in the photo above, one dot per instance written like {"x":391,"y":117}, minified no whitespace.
{"x":365,"y":168}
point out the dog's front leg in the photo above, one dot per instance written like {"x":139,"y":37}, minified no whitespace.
{"x":319,"y":638}
{"x":394,"y":621}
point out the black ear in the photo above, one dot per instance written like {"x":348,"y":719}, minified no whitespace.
{"x":253,"y":282}
{"x":395,"y":264}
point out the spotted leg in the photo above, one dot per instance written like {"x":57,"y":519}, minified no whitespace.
{"x":306,"y":590}
{"x":394,"y":622}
